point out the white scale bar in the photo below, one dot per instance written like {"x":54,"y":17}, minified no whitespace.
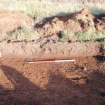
{"x":50,"y":61}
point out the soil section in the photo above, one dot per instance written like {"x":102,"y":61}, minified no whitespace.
{"x":73,"y":83}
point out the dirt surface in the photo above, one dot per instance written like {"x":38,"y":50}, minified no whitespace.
{"x":74,"y":83}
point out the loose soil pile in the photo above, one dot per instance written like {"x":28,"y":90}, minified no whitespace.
{"x":76,"y":22}
{"x":81,"y":21}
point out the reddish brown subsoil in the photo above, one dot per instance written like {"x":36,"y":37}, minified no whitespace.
{"x":72,"y":83}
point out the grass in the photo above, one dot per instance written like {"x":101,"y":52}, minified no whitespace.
{"x":38,"y":9}
{"x":23,"y":33}
{"x":90,"y":35}
{"x":43,"y":9}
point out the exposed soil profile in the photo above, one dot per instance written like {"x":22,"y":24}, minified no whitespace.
{"x":74,"y":83}
{"x":25,"y":79}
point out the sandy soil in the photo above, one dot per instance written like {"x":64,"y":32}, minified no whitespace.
{"x":74,"y":83}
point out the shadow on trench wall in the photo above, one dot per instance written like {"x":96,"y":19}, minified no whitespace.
{"x":60,"y":90}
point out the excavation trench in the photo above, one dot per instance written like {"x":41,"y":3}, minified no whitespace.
{"x":52,"y":72}
{"x":54,"y":83}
